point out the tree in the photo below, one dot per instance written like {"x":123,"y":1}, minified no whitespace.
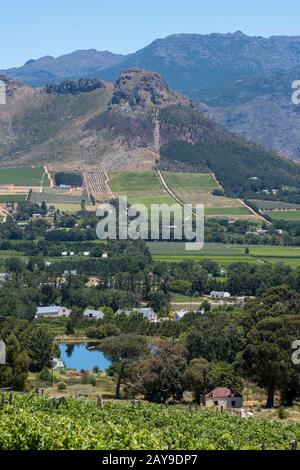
{"x":222,"y":374}
{"x":70,"y":330}
{"x":39,"y":344}
{"x":159,"y":301}
{"x":121,"y":351}
{"x":14,"y":373}
{"x":215,"y":337}
{"x":197,"y":378}
{"x":162,"y":375}
{"x":266,"y":358}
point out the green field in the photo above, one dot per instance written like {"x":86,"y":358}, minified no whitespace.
{"x":12,"y":198}
{"x":197,"y":188}
{"x":141,"y":187}
{"x":133,"y":181}
{"x":23,"y":176}
{"x":225,"y":255}
{"x":197,"y":181}
{"x":228,"y":211}
{"x":290,"y":215}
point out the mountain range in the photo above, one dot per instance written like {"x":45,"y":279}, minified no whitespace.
{"x":242,"y":82}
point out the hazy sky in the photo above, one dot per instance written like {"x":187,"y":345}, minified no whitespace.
{"x":34,"y":28}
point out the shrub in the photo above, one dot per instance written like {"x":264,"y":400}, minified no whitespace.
{"x":61,"y":386}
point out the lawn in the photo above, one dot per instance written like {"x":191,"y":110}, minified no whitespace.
{"x":23,"y":176}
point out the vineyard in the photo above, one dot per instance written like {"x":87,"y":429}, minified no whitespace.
{"x":274,"y":205}
{"x":97,"y":184}
{"x":51,"y":196}
{"x":35,"y":423}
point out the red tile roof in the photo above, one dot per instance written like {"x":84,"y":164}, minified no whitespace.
{"x":222,"y":392}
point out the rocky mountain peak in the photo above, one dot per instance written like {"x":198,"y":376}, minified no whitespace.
{"x":139,"y":88}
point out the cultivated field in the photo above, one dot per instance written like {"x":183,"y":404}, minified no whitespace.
{"x":97,"y":184}
{"x":288,"y":215}
{"x":274,"y":205}
{"x":196,"y":188}
{"x":141,"y":187}
{"x":225,"y":255}
{"x":4,"y":198}
{"x":54,"y":197}
{"x":24,"y":176}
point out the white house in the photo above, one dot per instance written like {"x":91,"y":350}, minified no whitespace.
{"x":223,"y":397}
{"x":58,"y":363}
{"x":64,"y":253}
{"x":86,"y":253}
{"x":4,"y":277}
{"x":180,"y":315}
{"x":220,"y":295}
{"x":148,"y":313}
{"x":52,"y":312}
{"x":105,"y":256}
{"x":94,"y":314}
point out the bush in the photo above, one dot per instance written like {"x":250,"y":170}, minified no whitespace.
{"x":282,"y":413}
{"x":61,"y":386}
{"x":45,"y":375}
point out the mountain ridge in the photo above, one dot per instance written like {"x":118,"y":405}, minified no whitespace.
{"x":232,"y":77}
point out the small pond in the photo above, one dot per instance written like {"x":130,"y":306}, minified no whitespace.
{"x":83,"y":356}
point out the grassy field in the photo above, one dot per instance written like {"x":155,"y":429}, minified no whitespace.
{"x":12,"y":198}
{"x":225,"y":255}
{"x":288,"y":215}
{"x":133,"y":181}
{"x":197,"y":188}
{"x":141,"y":187}
{"x":23,"y":176}
{"x":223,"y":211}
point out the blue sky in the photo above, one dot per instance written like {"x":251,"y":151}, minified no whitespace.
{"x":34,"y":28}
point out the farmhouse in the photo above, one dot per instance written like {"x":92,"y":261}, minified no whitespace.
{"x":52,"y":312}
{"x":220,"y":295}
{"x":94,"y":314}
{"x":223,"y":397}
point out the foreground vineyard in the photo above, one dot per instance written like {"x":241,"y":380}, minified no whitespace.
{"x":33,"y":423}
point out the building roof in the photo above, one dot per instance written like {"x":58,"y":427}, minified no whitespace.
{"x":145,"y":311}
{"x":94,"y":314}
{"x":216,"y":292}
{"x":46,"y":310}
{"x":181,"y":313}
{"x":222,"y":392}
